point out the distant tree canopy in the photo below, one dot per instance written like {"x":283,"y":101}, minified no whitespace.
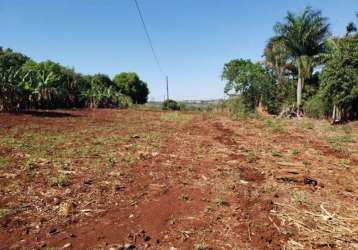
{"x":304,"y":70}
{"x":129,"y":84}
{"x":26,"y":84}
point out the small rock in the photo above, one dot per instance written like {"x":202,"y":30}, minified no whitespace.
{"x":66,"y":208}
{"x":53,"y":231}
{"x":146,"y":238}
{"x":56,"y":201}
{"x":67,"y":245}
{"x":244,"y":182}
{"x":154,"y":154}
{"x":128,"y":246}
{"x":116,"y":247}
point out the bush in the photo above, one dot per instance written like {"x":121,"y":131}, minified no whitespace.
{"x":237,"y":107}
{"x":183,"y":106}
{"x":170,"y":105}
{"x":315,"y":107}
{"x":124,"y":101}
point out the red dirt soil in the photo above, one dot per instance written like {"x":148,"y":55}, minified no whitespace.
{"x":184,"y":181}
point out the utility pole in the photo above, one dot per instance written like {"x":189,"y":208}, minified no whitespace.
{"x":167,"y":88}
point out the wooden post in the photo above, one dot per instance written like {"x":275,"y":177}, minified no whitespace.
{"x":167,"y":88}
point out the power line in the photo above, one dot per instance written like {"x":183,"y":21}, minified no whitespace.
{"x":148,"y":37}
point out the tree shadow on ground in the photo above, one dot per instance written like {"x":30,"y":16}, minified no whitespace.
{"x":42,"y":113}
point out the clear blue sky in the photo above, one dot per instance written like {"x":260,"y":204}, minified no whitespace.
{"x":193,"y":38}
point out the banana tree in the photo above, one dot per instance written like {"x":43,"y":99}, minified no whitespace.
{"x":43,"y":80}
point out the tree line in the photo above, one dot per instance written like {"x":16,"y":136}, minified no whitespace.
{"x":26,"y":84}
{"x":305,"y":71}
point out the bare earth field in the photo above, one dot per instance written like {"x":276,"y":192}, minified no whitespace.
{"x":132,"y":179}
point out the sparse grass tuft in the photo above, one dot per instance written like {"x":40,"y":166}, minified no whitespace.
{"x":338,"y":142}
{"x":347,"y":129}
{"x":111,"y":160}
{"x":275,"y":125}
{"x":295,"y":151}
{"x":4,"y":162}
{"x":4,"y":212}
{"x":201,"y":246}
{"x":219,"y":201}
{"x":208,"y":209}
{"x":298,"y":197}
{"x":60,"y":180}
{"x":275,"y":153}
{"x":175,"y":116}
{"x":307,"y":125}
{"x":184,"y":197}
{"x":250,"y":157}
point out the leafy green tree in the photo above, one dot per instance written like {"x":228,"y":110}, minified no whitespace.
{"x":252,"y":82}
{"x":130,"y":84}
{"x":277,"y":58}
{"x":304,"y":35}
{"x":339,"y":87}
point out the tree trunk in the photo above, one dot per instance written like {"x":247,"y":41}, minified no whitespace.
{"x":337,"y":114}
{"x":334,"y":114}
{"x":299,"y":94}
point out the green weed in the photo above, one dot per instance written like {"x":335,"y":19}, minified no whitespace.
{"x":4,"y":162}
{"x":175,"y":116}
{"x":4,"y":212}
{"x":60,"y":180}
{"x":298,"y":197}
{"x":201,"y":246}
{"x":275,"y":125}
{"x":347,"y":129}
{"x":295,"y":151}
{"x":307,"y":125}
{"x":111,"y":160}
{"x":208,"y":209}
{"x":219,"y":201}
{"x":276,"y":154}
{"x":250,"y":157}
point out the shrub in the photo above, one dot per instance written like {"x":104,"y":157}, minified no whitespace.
{"x":315,"y":107}
{"x":183,"y":106}
{"x":237,"y":107}
{"x":170,"y":105}
{"x":124,"y":101}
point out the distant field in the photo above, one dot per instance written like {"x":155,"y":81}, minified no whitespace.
{"x":94,"y":179}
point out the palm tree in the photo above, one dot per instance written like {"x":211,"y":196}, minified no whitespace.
{"x":351,"y":28}
{"x":304,"y":36}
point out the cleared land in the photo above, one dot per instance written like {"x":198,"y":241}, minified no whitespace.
{"x":94,"y":179}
